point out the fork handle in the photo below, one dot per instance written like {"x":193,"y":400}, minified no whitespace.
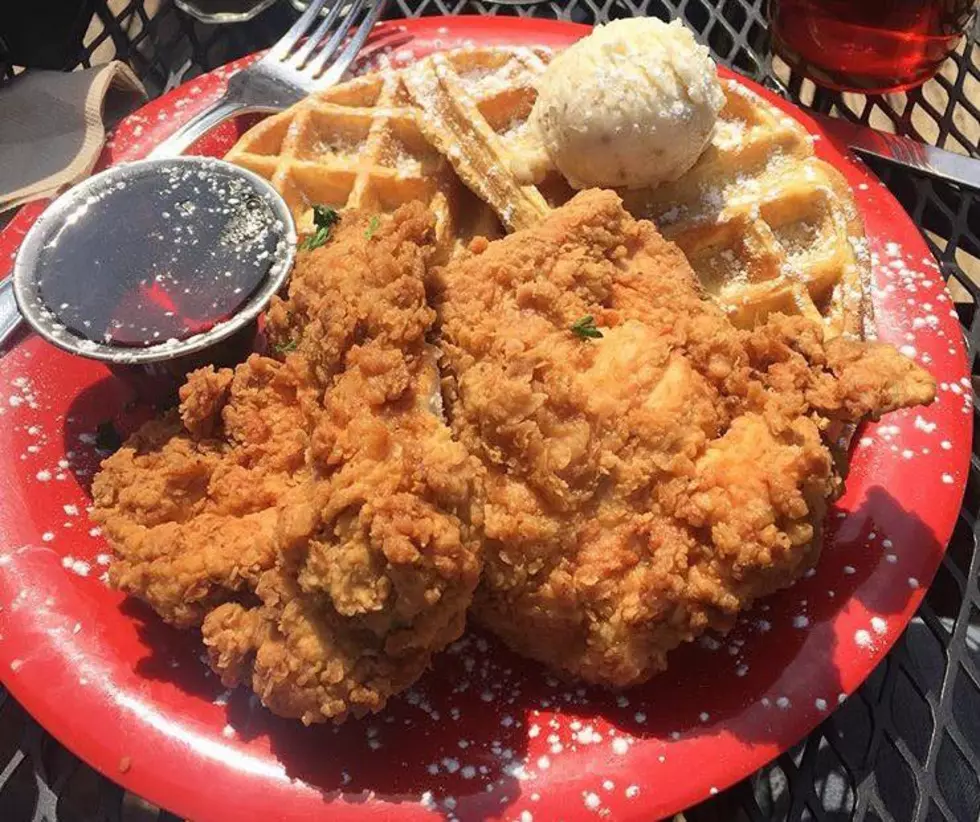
{"x":199,"y":125}
{"x":9,"y":315}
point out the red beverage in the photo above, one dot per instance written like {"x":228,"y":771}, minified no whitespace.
{"x":868,"y":45}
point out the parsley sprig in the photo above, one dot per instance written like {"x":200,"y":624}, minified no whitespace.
{"x":324,"y":219}
{"x":284,"y":348}
{"x":372,"y":227}
{"x":585,"y":328}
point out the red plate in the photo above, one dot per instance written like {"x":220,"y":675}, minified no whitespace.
{"x":485,"y":734}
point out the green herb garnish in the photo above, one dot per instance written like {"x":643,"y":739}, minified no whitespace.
{"x":284,"y":348}
{"x":585,"y":328}
{"x":324,"y":219}
{"x":372,"y":227}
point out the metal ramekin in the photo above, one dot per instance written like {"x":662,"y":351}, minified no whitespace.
{"x":49,"y":222}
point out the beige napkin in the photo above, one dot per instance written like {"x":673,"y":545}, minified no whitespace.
{"x":52,"y":127}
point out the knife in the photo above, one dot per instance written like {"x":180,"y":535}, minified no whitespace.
{"x":908,"y":153}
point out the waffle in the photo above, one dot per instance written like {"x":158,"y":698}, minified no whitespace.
{"x":765,"y":224}
{"x":476,"y":104}
{"x":355,"y":145}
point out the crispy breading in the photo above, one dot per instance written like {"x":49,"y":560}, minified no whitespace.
{"x":190,"y":508}
{"x":647,"y":485}
{"x":378,"y":558}
{"x":313,"y":515}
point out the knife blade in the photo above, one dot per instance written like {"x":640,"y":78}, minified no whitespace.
{"x":936,"y":162}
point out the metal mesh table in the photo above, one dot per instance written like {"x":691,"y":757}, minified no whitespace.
{"x":907,"y":745}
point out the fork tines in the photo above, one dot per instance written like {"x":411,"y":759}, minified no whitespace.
{"x":309,"y":50}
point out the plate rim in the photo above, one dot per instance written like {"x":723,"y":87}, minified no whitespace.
{"x":193,"y":803}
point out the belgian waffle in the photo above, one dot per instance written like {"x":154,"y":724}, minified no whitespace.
{"x":765,"y":224}
{"x":476,"y":105}
{"x":355,"y":145}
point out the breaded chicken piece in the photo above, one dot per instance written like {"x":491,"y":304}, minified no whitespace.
{"x":647,"y":485}
{"x":189,"y":503}
{"x":313,"y":515}
{"x":378,"y":560}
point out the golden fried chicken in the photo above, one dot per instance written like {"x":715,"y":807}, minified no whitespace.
{"x":650,"y":483}
{"x":377,"y":560}
{"x":312,"y":515}
{"x":190,"y":502}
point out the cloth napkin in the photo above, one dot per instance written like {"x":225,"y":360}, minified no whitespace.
{"x":53,"y":127}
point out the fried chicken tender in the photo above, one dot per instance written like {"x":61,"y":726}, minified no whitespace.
{"x":189,"y":503}
{"x":378,"y":559}
{"x":647,"y":485}
{"x":314,"y":515}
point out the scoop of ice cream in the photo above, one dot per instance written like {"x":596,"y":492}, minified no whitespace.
{"x":633,"y":104}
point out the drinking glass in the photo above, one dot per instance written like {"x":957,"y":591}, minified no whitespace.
{"x":870,"y":46}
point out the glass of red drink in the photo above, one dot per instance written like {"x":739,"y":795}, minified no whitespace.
{"x":870,"y":46}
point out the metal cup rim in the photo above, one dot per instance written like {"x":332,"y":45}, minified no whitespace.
{"x":25,"y":266}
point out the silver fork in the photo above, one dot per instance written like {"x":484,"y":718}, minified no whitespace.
{"x":288,"y":72}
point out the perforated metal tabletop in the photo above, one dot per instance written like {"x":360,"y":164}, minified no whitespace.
{"x":907,"y":745}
